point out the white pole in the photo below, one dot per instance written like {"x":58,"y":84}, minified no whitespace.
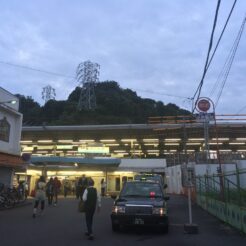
{"x":189,"y":204}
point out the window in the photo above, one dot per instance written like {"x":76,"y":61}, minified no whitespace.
{"x":143,"y":189}
{"x":4,"y":130}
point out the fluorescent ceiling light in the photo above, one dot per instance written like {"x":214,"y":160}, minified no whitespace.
{"x":45,"y":141}
{"x":86,"y":140}
{"x":26,"y":141}
{"x":128,"y":140}
{"x":195,"y":139}
{"x":151,"y":140}
{"x":171,"y":144}
{"x":221,"y":139}
{"x":65,"y":141}
{"x":27,"y":149}
{"x":193,"y":144}
{"x":45,"y":147}
{"x":172,"y":139}
{"x":237,"y":143}
{"x":241,"y":139}
{"x":111,"y":144}
{"x":64,"y":146}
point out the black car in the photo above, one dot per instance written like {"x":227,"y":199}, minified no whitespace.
{"x":140,"y":203}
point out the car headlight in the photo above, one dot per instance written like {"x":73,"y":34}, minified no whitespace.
{"x":159,"y":211}
{"x":118,"y":209}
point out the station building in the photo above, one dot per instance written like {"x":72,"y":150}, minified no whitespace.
{"x":117,"y":152}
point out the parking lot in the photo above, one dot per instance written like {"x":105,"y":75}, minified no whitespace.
{"x":63,"y":225}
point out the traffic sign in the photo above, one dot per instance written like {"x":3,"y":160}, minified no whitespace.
{"x":203,"y":105}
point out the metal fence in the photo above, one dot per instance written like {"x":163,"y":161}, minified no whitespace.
{"x":201,"y":158}
{"x":224,"y":195}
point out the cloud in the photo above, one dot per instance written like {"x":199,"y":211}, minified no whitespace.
{"x":156,"y":45}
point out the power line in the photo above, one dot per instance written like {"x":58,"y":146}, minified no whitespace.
{"x":225,"y":66}
{"x":239,"y":111}
{"x":223,"y":30}
{"x":198,"y":91}
{"x":164,"y":94}
{"x":217,"y":44}
{"x":230,"y":59}
{"x":36,"y":70}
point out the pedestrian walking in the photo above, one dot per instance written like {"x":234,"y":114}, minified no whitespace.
{"x":26,"y":189}
{"x":39,"y":196}
{"x":57,"y":187}
{"x":66,"y":189}
{"x":50,"y":191}
{"x":103,"y":187}
{"x":92,"y":200}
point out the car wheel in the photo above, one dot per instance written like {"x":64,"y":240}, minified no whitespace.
{"x":115,"y":227}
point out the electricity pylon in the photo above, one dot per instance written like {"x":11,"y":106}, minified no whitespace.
{"x":87,"y":75}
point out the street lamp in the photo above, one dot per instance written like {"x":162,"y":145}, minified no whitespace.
{"x":10,"y":101}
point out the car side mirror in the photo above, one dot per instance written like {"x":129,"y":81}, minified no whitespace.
{"x":165,"y":186}
{"x":166,"y":198}
{"x":113,"y":196}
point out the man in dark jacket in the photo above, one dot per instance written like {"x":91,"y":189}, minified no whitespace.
{"x":91,"y":198}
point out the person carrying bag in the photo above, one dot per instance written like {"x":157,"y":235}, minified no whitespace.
{"x":81,"y":206}
{"x":91,"y":200}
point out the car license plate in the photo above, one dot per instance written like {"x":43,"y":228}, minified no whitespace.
{"x":138,"y":221}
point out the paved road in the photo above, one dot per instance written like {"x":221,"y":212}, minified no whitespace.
{"x":64,"y":226}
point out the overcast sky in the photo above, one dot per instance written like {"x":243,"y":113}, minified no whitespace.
{"x":154,"y":47}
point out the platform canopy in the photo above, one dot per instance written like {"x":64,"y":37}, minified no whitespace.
{"x":57,"y":162}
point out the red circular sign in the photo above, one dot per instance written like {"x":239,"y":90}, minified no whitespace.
{"x":203,"y":105}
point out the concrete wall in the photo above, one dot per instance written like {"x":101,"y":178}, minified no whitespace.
{"x":174,"y":182}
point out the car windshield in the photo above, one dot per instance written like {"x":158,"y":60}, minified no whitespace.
{"x":141,"y":189}
{"x":151,"y":178}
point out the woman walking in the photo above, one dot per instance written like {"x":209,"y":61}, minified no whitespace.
{"x":39,"y":196}
{"x":103,"y":187}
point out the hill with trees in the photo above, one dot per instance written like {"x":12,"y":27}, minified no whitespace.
{"x":114,"y":106}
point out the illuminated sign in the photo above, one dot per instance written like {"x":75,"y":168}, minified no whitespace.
{"x":93,"y":149}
